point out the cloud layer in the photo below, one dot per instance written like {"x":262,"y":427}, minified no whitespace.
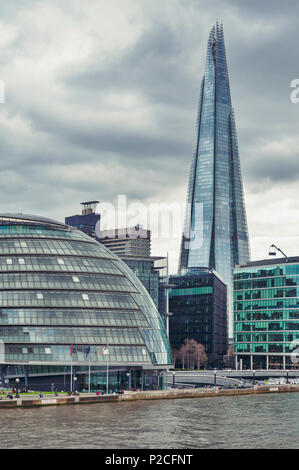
{"x":101,"y":100}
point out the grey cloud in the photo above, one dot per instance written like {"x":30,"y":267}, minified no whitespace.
{"x":66,"y":158}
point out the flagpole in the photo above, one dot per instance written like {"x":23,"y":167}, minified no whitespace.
{"x":72,"y":373}
{"x":107,"y":378}
{"x":89,"y":373}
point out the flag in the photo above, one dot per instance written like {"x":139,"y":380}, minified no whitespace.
{"x":71,"y":350}
{"x":105,"y":350}
{"x":88,"y":351}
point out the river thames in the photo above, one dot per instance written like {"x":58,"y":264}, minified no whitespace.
{"x":252,"y":421}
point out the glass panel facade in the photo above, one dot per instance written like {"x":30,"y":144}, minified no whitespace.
{"x":266,"y":308}
{"x":215,"y":234}
{"x":59,"y":287}
{"x":198,"y":304}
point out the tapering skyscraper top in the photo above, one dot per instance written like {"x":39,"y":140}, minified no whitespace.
{"x":215,"y":232}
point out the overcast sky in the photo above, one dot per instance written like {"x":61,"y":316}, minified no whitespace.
{"x":101,"y":100}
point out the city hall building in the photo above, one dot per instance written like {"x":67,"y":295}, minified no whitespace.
{"x":266,"y":314}
{"x":64,"y":298}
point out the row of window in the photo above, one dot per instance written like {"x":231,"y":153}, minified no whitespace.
{"x":65,"y":299}
{"x":266,"y":283}
{"x":266,"y":326}
{"x":43,"y":263}
{"x":266,"y":337}
{"x":262,"y":348}
{"x":85,"y":335}
{"x":125,"y":354}
{"x":38,"y":231}
{"x":72,"y":317}
{"x":282,"y":314}
{"x":191,"y":291}
{"x":53,"y":247}
{"x":267,"y":293}
{"x":273,"y":271}
{"x":267,"y":304}
{"x":66,"y":281}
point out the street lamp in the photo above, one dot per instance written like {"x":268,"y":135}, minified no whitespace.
{"x":253,"y":373}
{"x":273,"y":253}
{"x":166,"y":285}
{"x":287,"y":376}
{"x":17,"y":390}
{"x":129,"y":381}
{"x":173,"y":379}
{"x":75,"y":380}
{"x":215,"y":377}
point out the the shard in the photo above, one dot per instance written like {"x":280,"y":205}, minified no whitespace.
{"x":215,"y":233}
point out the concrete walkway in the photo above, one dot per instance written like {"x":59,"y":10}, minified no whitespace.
{"x":86,"y":398}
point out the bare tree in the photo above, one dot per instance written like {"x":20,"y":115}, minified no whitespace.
{"x":175,"y":356}
{"x":192,"y":354}
{"x":182,"y":355}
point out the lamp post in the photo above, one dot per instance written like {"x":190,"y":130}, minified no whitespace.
{"x":215,"y":377}
{"x":129,"y":380}
{"x":287,"y":376}
{"x":167,"y":286}
{"x":253,"y":373}
{"x":17,"y":390}
{"x":173,"y":379}
{"x":273,"y":253}
{"x":75,"y":380}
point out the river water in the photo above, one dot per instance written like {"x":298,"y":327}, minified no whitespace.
{"x":253,"y":421}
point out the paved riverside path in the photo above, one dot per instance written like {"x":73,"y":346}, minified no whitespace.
{"x":86,"y":398}
{"x":227,"y":377}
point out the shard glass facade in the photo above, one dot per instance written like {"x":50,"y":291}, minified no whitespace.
{"x":215,"y":232}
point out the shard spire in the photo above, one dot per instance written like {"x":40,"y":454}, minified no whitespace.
{"x":215,"y":232}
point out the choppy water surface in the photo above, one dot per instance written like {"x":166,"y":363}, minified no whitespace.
{"x":267,"y":421}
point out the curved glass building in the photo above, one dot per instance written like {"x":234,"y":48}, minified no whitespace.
{"x":63,"y":298}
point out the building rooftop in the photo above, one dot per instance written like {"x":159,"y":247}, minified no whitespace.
{"x":19,"y":217}
{"x":267,"y":262}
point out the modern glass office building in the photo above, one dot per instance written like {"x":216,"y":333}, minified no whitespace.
{"x":215,"y":232}
{"x":198,"y":305}
{"x":266,"y":314}
{"x":63,"y":298}
{"x":128,"y":241}
{"x":149,"y":270}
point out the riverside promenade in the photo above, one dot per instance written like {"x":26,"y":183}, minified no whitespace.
{"x":89,"y":398}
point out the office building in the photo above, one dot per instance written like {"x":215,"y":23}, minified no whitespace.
{"x":129,"y":241}
{"x":266,"y":313}
{"x":199,"y":305}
